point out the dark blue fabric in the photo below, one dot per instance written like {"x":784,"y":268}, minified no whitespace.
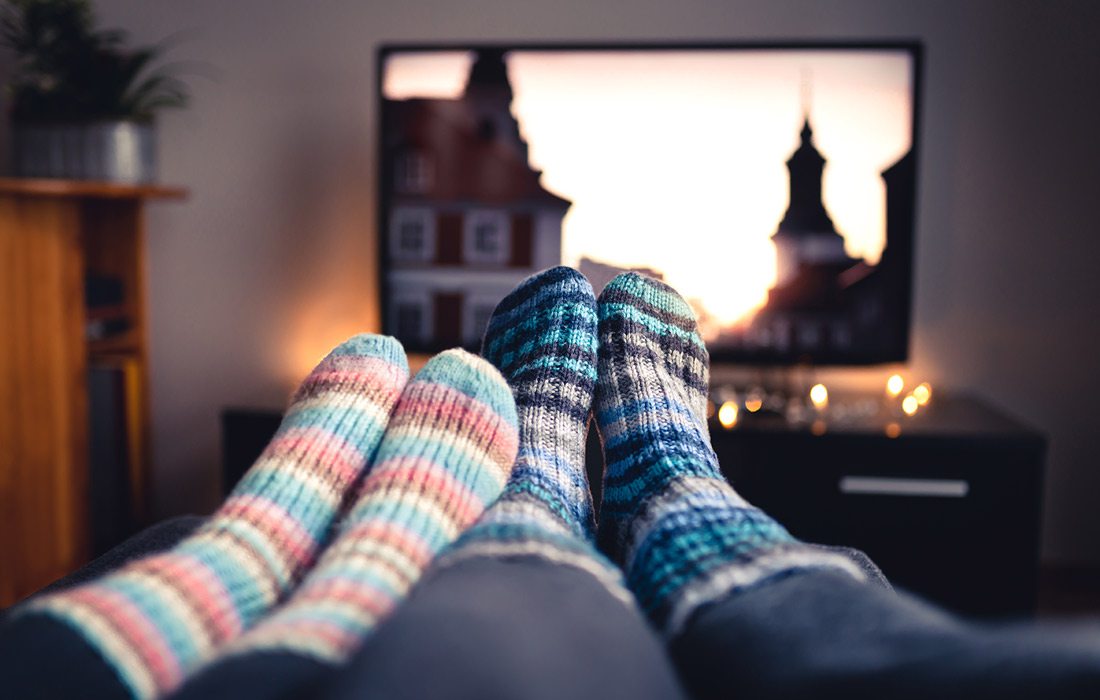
{"x":261,"y":675}
{"x":43,"y":658}
{"x":483,"y":628}
{"x":155,"y":538}
{"x":821,"y":634}
{"x":517,"y":629}
{"x":489,"y":628}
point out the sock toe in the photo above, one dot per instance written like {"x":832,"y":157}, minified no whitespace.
{"x":355,"y":364}
{"x":643,"y":320}
{"x":552,"y":305}
{"x":371,"y":345}
{"x":634,"y":286}
{"x":473,"y":376}
{"x":565,"y":277}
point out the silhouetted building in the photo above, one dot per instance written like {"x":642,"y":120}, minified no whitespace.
{"x":600,"y":273}
{"x":468,"y":218}
{"x":826,"y":303}
{"x":806,"y":237}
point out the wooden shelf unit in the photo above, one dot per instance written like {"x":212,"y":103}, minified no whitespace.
{"x":52,"y":234}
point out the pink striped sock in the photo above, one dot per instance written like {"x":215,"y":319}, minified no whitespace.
{"x":446,"y":455}
{"x":157,"y":618}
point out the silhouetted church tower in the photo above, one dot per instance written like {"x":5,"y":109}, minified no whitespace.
{"x":806,"y":235}
{"x":489,"y":94}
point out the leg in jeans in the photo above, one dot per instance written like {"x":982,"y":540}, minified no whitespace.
{"x":155,"y":538}
{"x":822,"y":634}
{"x":749,"y":611}
{"x":523,"y":628}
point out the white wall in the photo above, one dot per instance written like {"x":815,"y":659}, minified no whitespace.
{"x":271,"y":261}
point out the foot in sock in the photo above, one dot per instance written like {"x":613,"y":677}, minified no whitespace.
{"x":445,"y":456}
{"x":157,"y":618}
{"x":542,"y":337}
{"x":684,"y":537}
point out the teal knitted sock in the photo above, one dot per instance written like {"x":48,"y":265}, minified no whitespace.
{"x":683,"y":535}
{"x":542,"y":337}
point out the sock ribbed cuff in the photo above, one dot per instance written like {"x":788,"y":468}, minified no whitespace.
{"x":697,"y":541}
{"x":519,"y":527}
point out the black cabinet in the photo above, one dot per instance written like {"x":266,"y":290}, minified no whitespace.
{"x":947,"y":502}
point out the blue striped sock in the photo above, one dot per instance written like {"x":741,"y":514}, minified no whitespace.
{"x":542,"y":337}
{"x":682,"y":534}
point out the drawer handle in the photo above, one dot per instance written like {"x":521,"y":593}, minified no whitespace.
{"x":890,"y":486}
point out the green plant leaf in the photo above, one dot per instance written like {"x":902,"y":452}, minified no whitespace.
{"x":67,"y":70}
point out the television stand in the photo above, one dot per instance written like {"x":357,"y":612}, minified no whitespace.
{"x":948,"y":502}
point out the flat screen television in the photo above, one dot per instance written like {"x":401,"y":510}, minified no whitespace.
{"x":773,"y":185}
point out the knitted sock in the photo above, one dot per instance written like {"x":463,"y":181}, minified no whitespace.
{"x":542,"y":337}
{"x":156,"y":618}
{"x":683,"y":535}
{"x":445,"y":456}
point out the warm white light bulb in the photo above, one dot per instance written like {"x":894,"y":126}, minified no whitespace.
{"x":894,"y":384}
{"x":819,"y":396}
{"x":910,"y":405}
{"x":923,"y":393}
{"x":727,"y":414}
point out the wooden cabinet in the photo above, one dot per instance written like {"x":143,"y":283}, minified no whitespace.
{"x":53,"y":234}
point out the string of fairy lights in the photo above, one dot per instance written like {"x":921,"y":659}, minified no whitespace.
{"x":813,"y":407}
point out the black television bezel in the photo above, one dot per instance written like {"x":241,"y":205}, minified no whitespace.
{"x":915,"y":48}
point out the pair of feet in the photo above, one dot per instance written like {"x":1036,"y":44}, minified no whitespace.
{"x":401,"y":468}
{"x":634,"y":359}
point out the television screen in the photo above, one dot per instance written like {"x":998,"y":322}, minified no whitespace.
{"x":772,"y":185}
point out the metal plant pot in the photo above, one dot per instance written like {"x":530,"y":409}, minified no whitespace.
{"x":111,"y":151}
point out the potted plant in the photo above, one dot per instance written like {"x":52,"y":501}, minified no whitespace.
{"x":82,"y":104}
